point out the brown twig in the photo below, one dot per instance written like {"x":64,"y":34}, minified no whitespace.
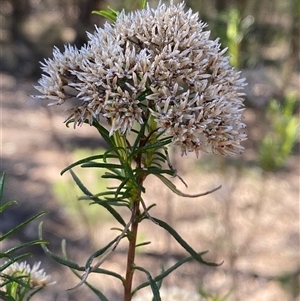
{"x":132,"y":236}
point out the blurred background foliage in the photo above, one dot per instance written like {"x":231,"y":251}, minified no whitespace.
{"x":262,"y":37}
{"x":257,"y":33}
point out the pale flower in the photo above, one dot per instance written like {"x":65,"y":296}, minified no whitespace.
{"x":153,"y":62}
{"x":36,"y":278}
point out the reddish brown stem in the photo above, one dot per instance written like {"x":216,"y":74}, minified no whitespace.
{"x":131,"y":251}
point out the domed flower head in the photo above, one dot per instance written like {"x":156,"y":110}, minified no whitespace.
{"x":153,"y":63}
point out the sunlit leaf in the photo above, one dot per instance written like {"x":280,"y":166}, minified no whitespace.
{"x":109,"y":14}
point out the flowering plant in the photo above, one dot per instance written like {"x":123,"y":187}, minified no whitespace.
{"x":156,"y":79}
{"x":18,"y":281}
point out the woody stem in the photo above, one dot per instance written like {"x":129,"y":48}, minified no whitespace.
{"x":131,"y":251}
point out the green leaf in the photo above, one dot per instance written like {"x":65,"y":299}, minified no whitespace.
{"x":109,"y":14}
{"x":109,"y":175}
{"x":6,"y":297}
{"x":111,"y":201}
{"x":34,"y":292}
{"x":160,"y":281}
{"x":11,"y":259}
{"x":143,"y":244}
{"x":100,"y":252}
{"x":143,"y":4}
{"x":27,"y":244}
{"x":8,"y":204}
{"x":173,"y":188}
{"x":98,"y":293}
{"x":80,"y":184}
{"x":2,"y":180}
{"x":98,"y":270}
{"x":157,"y":145}
{"x":101,"y":165}
{"x":165,"y":273}
{"x":104,"y":133}
{"x":183,"y":243}
{"x":139,"y":136}
{"x":111,"y":210}
{"x":153,"y":285}
{"x":58,"y":259}
{"x":17,"y":280}
{"x":157,"y":171}
{"x":86,"y":160}
{"x":21,"y":225}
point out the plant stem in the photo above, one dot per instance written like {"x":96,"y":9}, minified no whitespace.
{"x":131,"y":250}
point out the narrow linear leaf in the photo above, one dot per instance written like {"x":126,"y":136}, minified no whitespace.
{"x":80,"y":184}
{"x":121,"y":186}
{"x":17,"y":279}
{"x":111,"y":202}
{"x":100,"y":252}
{"x":109,"y":175}
{"x":109,"y":14}
{"x":153,"y":285}
{"x":110,"y":209}
{"x":110,"y":154}
{"x":6,"y":297}
{"x":27,"y":244}
{"x":12,"y":259}
{"x":183,"y":243}
{"x":101,"y":165}
{"x":33,"y":293}
{"x":143,"y":244}
{"x":165,"y":273}
{"x":104,"y":133}
{"x":140,"y":134}
{"x":160,"y":281}
{"x":173,"y":188}
{"x":8,"y":204}
{"x":157,"y":145}
{"x":2,"y":180}
{"x":98,"y":293}
{"x":58,"y":259}
{"x":98,"y":270}
{"x":158,"y":171}
{"x":86,"y":160}
{"x":22,"y":225}
{"x":143,"y":4}
{"x":103,"y":194}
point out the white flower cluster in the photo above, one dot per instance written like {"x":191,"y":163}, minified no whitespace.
{"x":35,"y":277}
{"x":157,"y":62}
{"x":170,"y":294}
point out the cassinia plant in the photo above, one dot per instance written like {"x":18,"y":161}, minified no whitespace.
{"x":153,"y":75}
{"x":19,"y":281}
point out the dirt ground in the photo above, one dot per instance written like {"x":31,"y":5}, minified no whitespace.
{"x":252,"y":223}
